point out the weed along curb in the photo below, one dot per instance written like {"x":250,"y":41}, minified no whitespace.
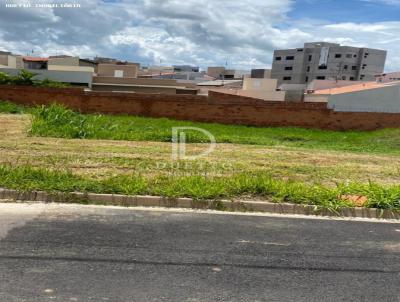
{"x":189,"y":203}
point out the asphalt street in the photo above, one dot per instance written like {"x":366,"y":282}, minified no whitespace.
{"x":89,"y":253}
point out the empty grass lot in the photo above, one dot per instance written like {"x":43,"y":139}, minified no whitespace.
{"x":55,"y":149}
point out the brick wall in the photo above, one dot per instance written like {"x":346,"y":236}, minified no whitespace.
{"x":218,"y":107}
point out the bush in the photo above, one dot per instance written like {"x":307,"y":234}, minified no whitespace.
{"x":8,"y":107}
{"x":24,"y":78}
{"x":27,"y":78}
{"x":57,"y":120}
{"x":5,"y":79}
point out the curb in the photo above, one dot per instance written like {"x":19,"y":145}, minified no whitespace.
{"x":189,"y":203}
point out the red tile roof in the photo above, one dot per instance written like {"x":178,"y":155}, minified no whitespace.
{"x":35,"y":59}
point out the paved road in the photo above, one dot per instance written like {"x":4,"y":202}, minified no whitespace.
{"x":78,"y":253}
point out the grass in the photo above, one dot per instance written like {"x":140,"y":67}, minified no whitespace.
{"x":200,"y":187}
{"x":8,"y":107}
{"x":56,"y":121}
{"x":285,"y":169}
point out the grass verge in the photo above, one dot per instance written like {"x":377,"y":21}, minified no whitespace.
{"x":260,"y":185}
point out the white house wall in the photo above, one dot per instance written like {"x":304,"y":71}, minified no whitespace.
{"x":385,"y":99}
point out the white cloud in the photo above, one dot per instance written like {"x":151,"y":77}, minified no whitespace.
{"x":201,"y":32}
{"x":387,"y":2}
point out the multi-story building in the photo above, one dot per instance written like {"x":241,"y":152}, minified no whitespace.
{"x":327,"y":61}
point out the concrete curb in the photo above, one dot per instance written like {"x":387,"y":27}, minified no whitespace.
{"x":223,"y":205}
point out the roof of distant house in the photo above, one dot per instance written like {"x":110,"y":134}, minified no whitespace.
{"x":35,"y":59}
{"x":354,"y":88}
{"x":218,"y":82}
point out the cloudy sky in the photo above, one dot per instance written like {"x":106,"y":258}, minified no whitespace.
{"x":242,"y":33}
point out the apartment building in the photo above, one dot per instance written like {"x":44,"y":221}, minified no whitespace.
{"x":327,"y":61}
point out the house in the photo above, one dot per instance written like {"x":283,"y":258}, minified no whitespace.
{"x":362,"y":97}
{"x":123,"y":78}
{"x":35,"y":63}
{"x":63,"y":69}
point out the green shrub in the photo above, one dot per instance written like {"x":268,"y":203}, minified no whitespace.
{"x":5,"y":78}
{"x":8,"y":107}
{"x":27,"y":78}
{"x":24,"y":78}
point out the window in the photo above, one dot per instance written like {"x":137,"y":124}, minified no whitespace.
{"x":309,"y":58}
{"x":287,"y":78}
{"x":118,"y":73}
{"x":300,"y":49}
{"x":278,"y":58}
{"x":344,"y":78}
{"x":352,"y":79}
{"x":290,"y":58}
{"x":288,"y":68}
{"x":349,"y":56}
{"x":323,"y":67}
{"x":320,"y":78}
{"x":338,"y":56}
{"x":345,"y":67}
{"x":308,"y":68}
{"x":306,"y":79}
{"x":355,"y":56}
{"x":365,"y":65}
{"x":353,"y":67}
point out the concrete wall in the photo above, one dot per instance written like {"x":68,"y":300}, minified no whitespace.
{"x":11,"y":61}
{"x":70,"y":68}
{"x":215,"y":72}
{"x":142,"y":85}
{"x":4,"y":60}
{"x":260,"y":84}
{"x":64,"y":61}
{"x":260,"y":73}
{"x":385,"y":99}
{"x":316,"y":98}
{"x":218,"y":107}
{"x":142,"y":81}
{"x":110,"y":70}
